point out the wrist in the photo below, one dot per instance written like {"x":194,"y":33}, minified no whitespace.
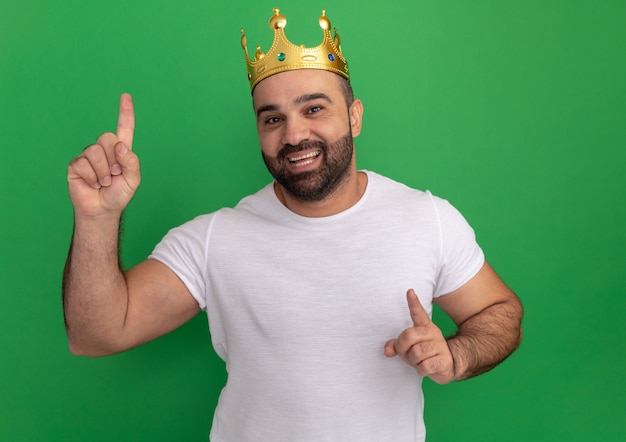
{"x":103,"y":218}
{"x":459,"y":362}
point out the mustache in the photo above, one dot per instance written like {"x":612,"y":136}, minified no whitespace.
{"x":289,"y":149}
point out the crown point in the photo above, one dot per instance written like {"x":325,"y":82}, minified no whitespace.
{"x":258,"y":54}
{"x":278,"y":20}
{"x":337,"y":39}
{"x":324,"y":22}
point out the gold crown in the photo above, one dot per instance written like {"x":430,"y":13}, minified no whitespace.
{"x":286,"y":56}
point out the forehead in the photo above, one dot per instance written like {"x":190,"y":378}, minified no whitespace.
{"x":284,"y":88}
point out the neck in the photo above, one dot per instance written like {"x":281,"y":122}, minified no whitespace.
{"x":346,"y":195}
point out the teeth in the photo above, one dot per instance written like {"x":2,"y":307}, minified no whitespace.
{"x":309,"y":155}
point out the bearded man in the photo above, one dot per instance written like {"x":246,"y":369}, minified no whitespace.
{"x":318,"y":288}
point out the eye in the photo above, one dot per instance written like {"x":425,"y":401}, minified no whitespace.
{"x":314,"y":109}
{"x":272,"y":120}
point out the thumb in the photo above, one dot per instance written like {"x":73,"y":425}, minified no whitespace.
{"x":129,"y":163}
{"x":390,"y":348}
{"x":418,"y":313}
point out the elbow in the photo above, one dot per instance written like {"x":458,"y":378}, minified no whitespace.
{"x":82,"y":342}
{"x":78,"y":348}
{"x":517,"y":315}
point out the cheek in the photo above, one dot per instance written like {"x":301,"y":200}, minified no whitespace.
{"x":334,"y":128}
{"x":269,"y":144}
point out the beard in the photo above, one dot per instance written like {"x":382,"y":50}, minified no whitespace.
{"x":314,"y":185}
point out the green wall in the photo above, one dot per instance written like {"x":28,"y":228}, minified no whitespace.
{"x":512,"y":110}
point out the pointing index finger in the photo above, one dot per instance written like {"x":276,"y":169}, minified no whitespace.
{"x":418,"y":313}
{"x":126,"y":120}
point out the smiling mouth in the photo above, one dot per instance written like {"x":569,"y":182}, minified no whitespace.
{"x":303,"y":160}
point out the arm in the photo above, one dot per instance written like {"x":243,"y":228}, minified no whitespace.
{"x":108,"y":310}
{"x":488,"y":316}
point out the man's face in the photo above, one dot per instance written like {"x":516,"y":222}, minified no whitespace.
{"x":305,"y":129}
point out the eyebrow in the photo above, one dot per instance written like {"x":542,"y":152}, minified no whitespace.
{"x":300,"y":100}
{"x":311,"y":97}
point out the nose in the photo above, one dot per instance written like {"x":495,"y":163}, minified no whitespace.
{"x":295,"y":130}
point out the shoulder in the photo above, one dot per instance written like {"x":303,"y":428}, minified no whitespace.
{"x":388,"y":192}
{"x":260,"y":201}
{"x":257,"y":202}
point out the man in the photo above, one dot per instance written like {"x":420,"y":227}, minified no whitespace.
{"x":304,"y":282}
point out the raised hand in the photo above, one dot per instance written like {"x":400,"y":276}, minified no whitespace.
{"x":423,"y":346}
{"x":104,"y":177}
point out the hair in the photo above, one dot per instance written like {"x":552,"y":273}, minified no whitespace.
{"x":346,"y":89}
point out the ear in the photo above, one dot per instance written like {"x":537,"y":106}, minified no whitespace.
{"x":356,"y":117}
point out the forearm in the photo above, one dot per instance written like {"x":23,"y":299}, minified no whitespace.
{"x":95,"y":295}
{"x":486,"y":339}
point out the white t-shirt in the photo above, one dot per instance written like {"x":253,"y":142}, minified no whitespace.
{"x":300,"y":309}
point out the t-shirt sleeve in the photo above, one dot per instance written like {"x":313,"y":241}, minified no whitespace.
{"x":461,"y":257}
{"x":184,"y":251}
